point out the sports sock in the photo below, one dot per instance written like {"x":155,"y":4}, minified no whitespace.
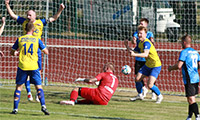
{"x":27,"y":85}
{"x":195,"y":109}
{"x":74,"y":95}
{"x":41,"y":96}
{"x":156,"y":90}
{"x":17,"y":95}
{"x":139,"y":86}
{"x":142,"y":83}
{"x":190,"y":111}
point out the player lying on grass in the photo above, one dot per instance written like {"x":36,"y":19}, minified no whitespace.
{"x":189,"y":60}
{"x":100,"y":95}
{"x":28,"y":46}
{"x":152,"y":67}
{"x":38,"y":28}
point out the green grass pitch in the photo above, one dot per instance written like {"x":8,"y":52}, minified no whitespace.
{"x":119,"y":108}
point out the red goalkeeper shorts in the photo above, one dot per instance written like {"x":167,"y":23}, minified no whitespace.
{"x":92,"y":95}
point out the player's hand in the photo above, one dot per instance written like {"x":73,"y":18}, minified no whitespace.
{"x":80,"y":80}
{"x":1,"y":54}
{"x":169,"y":68}
{"x":3,"y":19}
{"x":16,"y":53}
{"x":7,"y":1}
{"x":126,"y":43}
{"x":62,"y":6}
{"x":132,"y":53}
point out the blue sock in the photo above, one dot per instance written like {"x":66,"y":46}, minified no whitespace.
{"x":27,"y":85}
{"x":41,"y":96}
{"x":156,"y":90}
{"x":17,"y":95}
{"x":139,"y":86}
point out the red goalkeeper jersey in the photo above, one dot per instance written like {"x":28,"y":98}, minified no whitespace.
{"x":108,"y":85}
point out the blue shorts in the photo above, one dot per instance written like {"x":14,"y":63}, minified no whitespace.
{"x":22,"y":75}
{"x":150,"y":71}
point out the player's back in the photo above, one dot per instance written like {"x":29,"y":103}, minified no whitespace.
{"x":108,"y":84}
{"x":28,"y":57}
{"x":190,"y":66}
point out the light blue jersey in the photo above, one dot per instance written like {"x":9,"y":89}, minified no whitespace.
{"x":190,"y":57}
{"x":149,"y":35}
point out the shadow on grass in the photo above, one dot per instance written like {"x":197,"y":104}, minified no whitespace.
{"x":108,"y":118}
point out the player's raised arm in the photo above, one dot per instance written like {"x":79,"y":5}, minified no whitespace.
{"x":55,"y":17}
{"x":11,"y":13}
{"x":3,"y":25}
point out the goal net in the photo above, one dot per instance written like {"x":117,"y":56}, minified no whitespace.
{"x":90,"y":33}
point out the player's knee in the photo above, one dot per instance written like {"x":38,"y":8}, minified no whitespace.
{"x":150,"y":86}
{"x":137,"y":79}
{"x":75,"y":89}
{"x":191,"y":100}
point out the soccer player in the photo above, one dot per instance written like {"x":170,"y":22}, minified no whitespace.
{"x":152,"y":67}
{"x":28,"y":46}
{"x":139,"y":61}
{"x":189,"y":61}
{"x":38,"y":24}
{"x":1,"y":31}
{"x":100,"y":95}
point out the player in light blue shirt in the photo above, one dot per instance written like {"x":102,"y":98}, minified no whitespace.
{"x":189,"y":61}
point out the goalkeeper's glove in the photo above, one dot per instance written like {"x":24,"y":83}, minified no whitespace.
{"x":80,"y":80}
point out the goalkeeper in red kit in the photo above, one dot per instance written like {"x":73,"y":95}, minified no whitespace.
{"x":101,"y":95}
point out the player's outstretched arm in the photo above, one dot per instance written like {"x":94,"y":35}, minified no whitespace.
{"x":91,"y":80}
{"x":176,"y":66}
{"x":3,"y":25}
{"x":11,"y":13}
{"x":55,"y":17}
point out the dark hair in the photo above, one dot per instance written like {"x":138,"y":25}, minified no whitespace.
{"x":29,"y":27}
{"x":140,"y":27}
{"x":144,"y":19}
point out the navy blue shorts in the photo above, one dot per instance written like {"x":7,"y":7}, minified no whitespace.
{"x":22,"y":75}
{"x":150,"y":71}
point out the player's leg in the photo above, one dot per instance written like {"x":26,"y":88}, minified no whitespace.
{"x":17,"y":95}
{"x":73,"y":97}
{"x":40,"y":68}
{"x":36,"y":80}
{"x":28,"y":89}
{"x":20,"y":80}
{"x":138,"y":65}
{"x":154,"y":96}
{"x":139,"y":86}
{"x":155,"y":89}
{"x":191,"y":91}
